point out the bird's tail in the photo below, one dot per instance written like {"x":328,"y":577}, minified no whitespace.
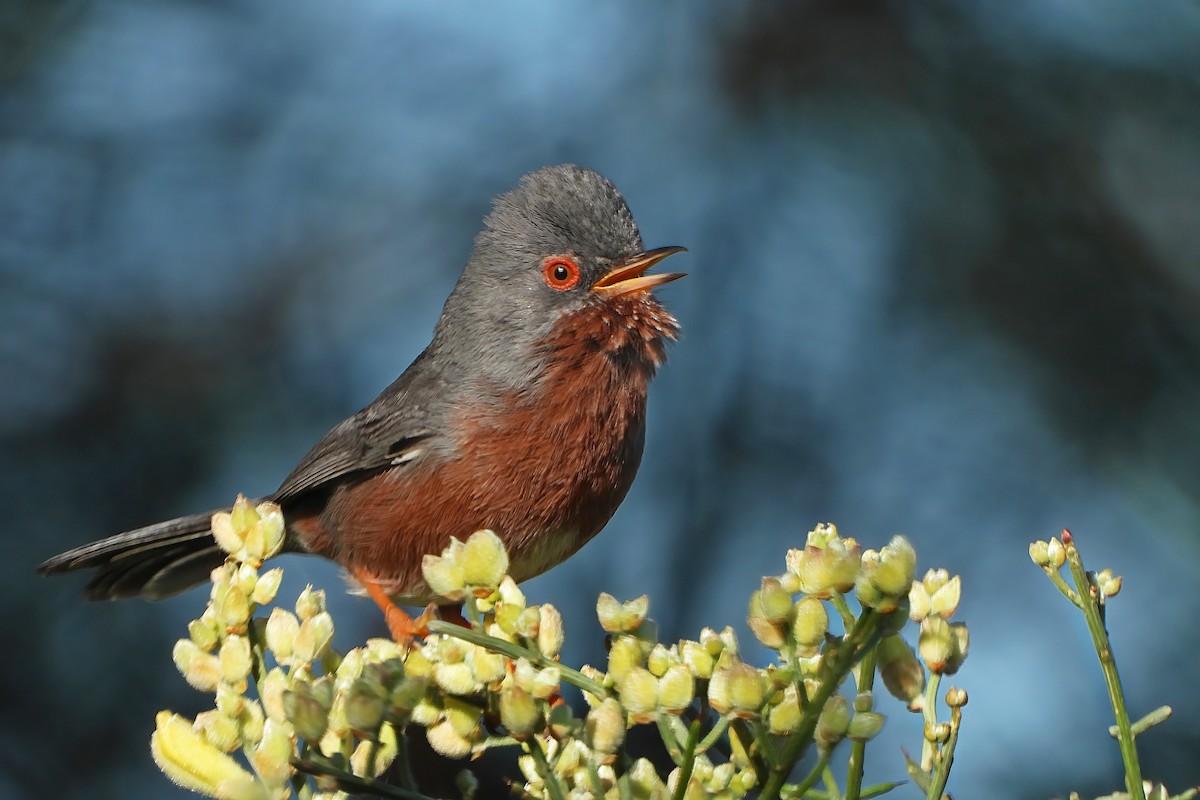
{"x":154,"y":562}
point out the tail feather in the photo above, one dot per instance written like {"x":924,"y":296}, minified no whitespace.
{"x":157,"y":561}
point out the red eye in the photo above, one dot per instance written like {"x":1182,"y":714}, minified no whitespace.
{"x":561,"y":273}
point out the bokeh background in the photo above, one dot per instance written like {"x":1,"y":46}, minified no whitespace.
{"x":945,"y":276}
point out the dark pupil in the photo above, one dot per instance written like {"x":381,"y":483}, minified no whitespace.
{"x":560,"y":273}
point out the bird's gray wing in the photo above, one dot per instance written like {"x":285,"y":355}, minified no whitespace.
{"x":389,"y":432}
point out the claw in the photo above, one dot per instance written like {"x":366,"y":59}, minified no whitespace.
{"x":403,"y":628}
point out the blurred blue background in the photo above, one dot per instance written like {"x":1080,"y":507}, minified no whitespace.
{"x":944,"y":280}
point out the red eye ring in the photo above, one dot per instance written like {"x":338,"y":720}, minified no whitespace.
{"x":561,"y":273}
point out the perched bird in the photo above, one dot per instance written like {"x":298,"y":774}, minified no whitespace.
{"x":526,"y":414}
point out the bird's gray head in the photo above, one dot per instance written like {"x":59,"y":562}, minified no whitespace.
{"x":562,"y":240}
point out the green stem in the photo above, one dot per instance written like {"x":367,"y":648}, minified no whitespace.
{"x":831,"y":784}
{"x":858,"y":748}
{"x":859,"y":637}
{"x":569,"y":675}
{"x":867,"y":793}
{"x":543,"y":767}
{"x":669,"y":740}
{"x":402,"y":764}
{"x":929,"y":716}
{"x":689,"y":759}
{"x":713,"y":736}
{"x":945,"y":758}
{"x":1090,"y":605}
{"x":814,"y":775}
{"x":352,"y":783}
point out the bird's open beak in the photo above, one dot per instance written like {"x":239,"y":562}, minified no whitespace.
{"x":627,"y":276}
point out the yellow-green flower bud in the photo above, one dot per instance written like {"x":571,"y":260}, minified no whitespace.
{"x":271,"y":690}
{"x":528,"y":623}
{"x":227,"y":536}
{"x":282,"y":628}
{"x":771,"y":601}
{"x":219,"y":730}
{"x":1039,"y":553}
{"x":189,"y":760}
{"x":660,"y":660}
{"x":744,"y":781}
{"x":484,"y":560}
{"x":426,"y":712}
{"x":230,"y":700}
{"x":785,"y":716}
{"x":445,"y":577}
{"x":886,"y":576}
{"x":246,"y":577}
{"x":624,"y":655}
{"x":230,"y":606}
{"x":833,"y":722}
{"x":1108,"y":584}
{"x":827,"y":564}
{"x":901,"y":672}
{"x":310,"y":603}
{"x":235,"y":659}
{"x":523,"y":674}
{"x":722,"y":776}
{"x":737,"y":689}
{"x":306,"y":713}
{"x":864,"y":701}
{"x":588,"y":671}
{"x":267,"y":586}
{"x":405,"y":696}
{"x":550,"y":633}
{"x":417,"y":664}
{"x":1056,"y":554}
{"x":546,"y":683}
{"x":771,"y":634}
{"x":617,"y":617}
{"x":937,"y":593}
{"x":385,"y":749}
{"x":639,"y":694}
{"x":520,"y":713}
{"x":942,"y":646}
{"x":488,"y":667}
{"x":314,"y":637}
{"x":676,"y":689}
{"x":456,"y":678}
{"x":463,"y":715}
{"x":865,"y":726}
{"x":605,"y":727}
{"x":270,"y":758}
{"x":366,"y":703}
{"x":956,"y":697}
{"x":266,"y":538}
{"x":645,"y":780}
{"x":251,"y":722}
{"x":201,"y":670}
{"x":204,"y":631}
{"x":696,"y":658}
{"x":937,"y":733}
{"x":810,"y":622}
{"x":448,"y":742}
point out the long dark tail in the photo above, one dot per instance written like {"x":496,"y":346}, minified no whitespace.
{"x":154,"y":562}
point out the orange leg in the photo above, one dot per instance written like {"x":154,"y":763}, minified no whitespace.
{"x":402,"y":627}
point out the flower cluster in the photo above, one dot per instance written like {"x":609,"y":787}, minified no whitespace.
{"x":334,"y":723}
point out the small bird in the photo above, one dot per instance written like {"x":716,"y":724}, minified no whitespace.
{"x":526,"y":415}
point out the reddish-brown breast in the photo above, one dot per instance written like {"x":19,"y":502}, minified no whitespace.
{"x":545,"y":468}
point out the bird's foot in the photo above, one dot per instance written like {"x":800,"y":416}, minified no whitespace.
{"x":403,"y":628}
